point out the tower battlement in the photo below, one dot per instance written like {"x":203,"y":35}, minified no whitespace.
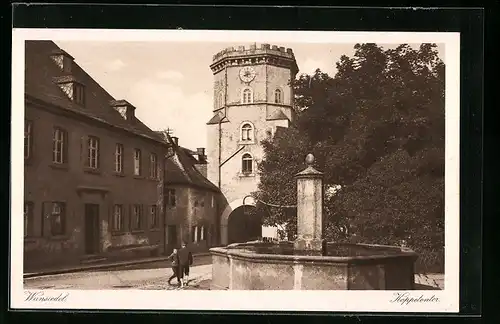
{"x":254,"y":49}
{"x":254,"y":54}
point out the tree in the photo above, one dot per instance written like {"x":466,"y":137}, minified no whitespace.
{"x":376,"y":129}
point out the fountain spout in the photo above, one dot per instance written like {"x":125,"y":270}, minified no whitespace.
{"x":309,"y":209}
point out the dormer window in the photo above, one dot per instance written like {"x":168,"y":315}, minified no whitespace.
{"x":123,"y":111}
{"x":126,"y":110}
{"x":59,"y":59}
{"x":78,"y":94}
{"x":74,"y":90}
{"x":63,"y":60}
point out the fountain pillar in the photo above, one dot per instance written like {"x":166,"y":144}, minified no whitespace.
{"x":309,"y":209}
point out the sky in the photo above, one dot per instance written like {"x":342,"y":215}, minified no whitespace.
{"x":170,"y":83}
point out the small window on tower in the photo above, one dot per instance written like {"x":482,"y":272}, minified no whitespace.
{"x":246,"y":132}
{"x":220,"y":103}
{"x":278,"y":96}
{"x":247,"y":96}
{"x":246,"y":163}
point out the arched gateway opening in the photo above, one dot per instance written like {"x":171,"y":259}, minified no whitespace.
{"x":243,"y":225}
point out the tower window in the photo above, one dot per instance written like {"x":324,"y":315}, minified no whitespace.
{"x":246,"y":163}
{"x":247,"y":96}
{"x":220,"y":102}
{"x":278,"y":96}
{"x":247,"y":132}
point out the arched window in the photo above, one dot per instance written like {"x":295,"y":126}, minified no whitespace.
{"x":246,"y":132}
{"x":247,"y":96}
{"x":246,"y":163}
{"x":278,"y":96}
{"x":220,"y":103}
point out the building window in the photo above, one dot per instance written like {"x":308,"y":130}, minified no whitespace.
{"x":119,"y":158}
{"x":202,"y":233}
{"x":247,"y":96}
{"x":213,"y":201}
{"x":153,"y":166}
{"x":136,"y":218}
{"x":117,"y":218}
{"x":247,"y":161}
{"x":60,"y":146}
{"x":58,"y":219}
{"x":93,"y":152}
{"x":79,"y":94}
{"x":28,"y":219}
{"x":170,"y":197}
{"x":246,"y":132}
{"x":28,"y":138}
{"x":137,"y":162}
{"x":269,"y":133}
{"x":194,"y":233}
{"x":278,"y":96}
{"x":220,"y":102}
{"x":154,"y":219}
{"x":59,"y":60}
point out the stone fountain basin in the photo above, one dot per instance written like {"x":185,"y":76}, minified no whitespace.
{"x":277,"y":266}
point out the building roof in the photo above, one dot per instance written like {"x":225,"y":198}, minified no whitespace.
{"x":191,"y":154}
{"x":42,"y":75}
{"x":278,"y":115}
{"x":180,"y":170}
{"x":217,"y":118}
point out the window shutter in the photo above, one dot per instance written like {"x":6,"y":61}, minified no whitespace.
{"x":130,"y":217}
{"x":64,"y":215}
{"x":111,"y":217}
{"x":65,"y":147}
{"x":44,"y":216}
{"x":98,"y":153}
{"x":31,"y":142}
{"x":86,"y":154}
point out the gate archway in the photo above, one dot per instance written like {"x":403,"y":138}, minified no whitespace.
{"x":243,"y":225}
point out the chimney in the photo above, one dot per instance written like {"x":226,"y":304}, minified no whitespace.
{"x":201,"y":154}
{"x":175,"y":140}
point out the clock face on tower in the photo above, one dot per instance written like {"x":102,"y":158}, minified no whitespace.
{"x":247,"y":74}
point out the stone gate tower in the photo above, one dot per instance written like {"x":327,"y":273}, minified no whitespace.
{"x":252,"y":96}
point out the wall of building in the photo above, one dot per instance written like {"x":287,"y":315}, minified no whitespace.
{"x":75,"y":185}
{"x":261,"y":113}
{"x":234,"y":184}
{"x":194,"y":207}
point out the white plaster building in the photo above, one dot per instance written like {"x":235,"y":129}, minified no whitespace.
{"x":252,"y":96}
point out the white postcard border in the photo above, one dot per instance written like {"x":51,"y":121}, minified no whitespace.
{"x":446,"y":300}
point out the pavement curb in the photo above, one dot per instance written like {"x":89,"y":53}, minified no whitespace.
{"x":100,"y":266}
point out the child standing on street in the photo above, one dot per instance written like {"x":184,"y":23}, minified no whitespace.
{"x":185,"y":260}
{"x":175,"y":267}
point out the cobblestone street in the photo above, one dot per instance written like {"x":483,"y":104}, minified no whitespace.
{"x":154,"y":279}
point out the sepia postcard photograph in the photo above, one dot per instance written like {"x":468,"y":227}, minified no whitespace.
{"x":235,"y":170}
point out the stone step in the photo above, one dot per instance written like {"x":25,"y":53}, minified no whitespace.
{"x":92,"y":259}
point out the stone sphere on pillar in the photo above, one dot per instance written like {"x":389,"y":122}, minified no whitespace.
{"x":309,"y":159}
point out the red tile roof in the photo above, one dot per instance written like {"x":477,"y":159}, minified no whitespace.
{"x":42,"y":75}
